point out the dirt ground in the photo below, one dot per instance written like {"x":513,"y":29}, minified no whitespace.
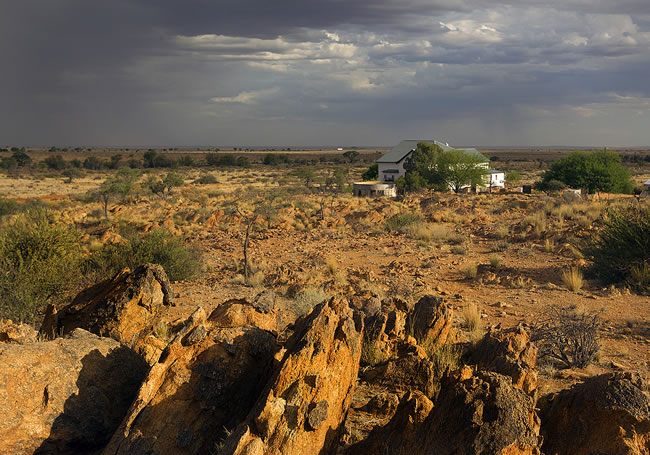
{"x":519,"y":245}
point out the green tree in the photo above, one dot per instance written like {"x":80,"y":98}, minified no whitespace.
{"x":307,"y":175}
{"x":119,"y":186}
{"x":351,"y":155}
{"x":372,"y":173}
{"x":424,"y":161}
{"x":22,"y":158}
{"x":163,"y":187}
{"x":595,"y":171}
{"x":456,"y":169}
{"x":55,"y":162}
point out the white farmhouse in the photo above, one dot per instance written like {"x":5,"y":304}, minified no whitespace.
{"x":391,"y":165}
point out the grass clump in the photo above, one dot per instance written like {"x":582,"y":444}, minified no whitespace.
{"x":158,"y":246}
{"x":206,"y":179}
{"x":307,"y":299}
{"x":39,"y":260}
{"x":472,"y":318}
{"x":623,"y":245}
{"x":471,"y":271}
{"x":400,"y":221}
{"x":446,"y":357}
{"x":495,"y":261}
{"x":572,"y":279}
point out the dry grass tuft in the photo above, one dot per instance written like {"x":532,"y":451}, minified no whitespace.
{"x":472,"y":320}
{"x":495,"y":261}
{"x":471,"y":271}
{"x":572,"y":279}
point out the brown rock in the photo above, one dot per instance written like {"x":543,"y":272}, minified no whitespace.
{"x":509,"y":352}
{"x":16,"y":333}
{"x":306,"y":401}
{"x":431,"y":320}
{"x":67,"y":395}
{"x":609,"y":414}
{"x":205,"y":383}
{"x":126,"y":308}
{"x":482,"y":415}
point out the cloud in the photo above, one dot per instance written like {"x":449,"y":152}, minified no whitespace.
{"x":251,"y":97}
{"x":153,"y":72}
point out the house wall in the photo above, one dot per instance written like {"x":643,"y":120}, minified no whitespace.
{"x":389,"y":176}
{"x":497,"y":180}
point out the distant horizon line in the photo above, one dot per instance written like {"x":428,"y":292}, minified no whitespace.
{"x":280,"y":148}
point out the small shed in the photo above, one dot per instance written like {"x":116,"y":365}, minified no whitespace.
{"x":374,"y":189}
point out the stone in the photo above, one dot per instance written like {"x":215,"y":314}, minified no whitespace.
{"x":125,"y":308}
{"x":484,"y":414}
{"x":431,"y":320}
{"x":511,"y":353}
{"x":205,"y":383}
{"x":609,"y":413}
{"x":67,"y":395}
{"x":306,"y":400}
{"x":16,"y":332}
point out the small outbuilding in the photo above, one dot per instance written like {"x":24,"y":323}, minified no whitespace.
{"x":374,"y":189}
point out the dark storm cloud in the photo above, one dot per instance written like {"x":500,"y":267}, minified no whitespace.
{"x":163,"y":71}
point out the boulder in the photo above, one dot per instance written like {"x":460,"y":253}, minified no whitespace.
{"x":609,"y":413}
{"x":305,"y":402}
{"x":126,"y":308}
{"x":483,"y":414}
{"x":431,"y":320}
{"x":16,"y":332}
{"x":205,"y":383}
{"x":67,"y":395}
{"x":510,"y":353}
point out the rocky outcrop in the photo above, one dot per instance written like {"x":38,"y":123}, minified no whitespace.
{"x":205,"y":383}
{"x":481,"y":414}
{"x":67,"y":395}
{"x":126,"y":308}
{"x":431,"y":320}
{"x":609,"y":414}
{"x":16,"y":333}
{"x":305,"y":402}
{"x":510,"y":353}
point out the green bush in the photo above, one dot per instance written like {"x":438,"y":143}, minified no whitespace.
{"x":597,"y":171}
{"x":39,"y":261}
{"x":206,"y":179}
{"x":621,"y":250}
{"x":158,"y":246}
{"x":8,"y":206}
{"x":400,"y":221}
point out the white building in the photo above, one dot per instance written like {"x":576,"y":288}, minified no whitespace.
{"x":391,"y":165}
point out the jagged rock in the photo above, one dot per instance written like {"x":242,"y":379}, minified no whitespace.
{"x":484,"y":414}
{"x":16,"y":333}
{"x":67,"y":395}
{"x":510,"y":353}
{"x":431,"y":320}
{"x":410,"y":369}
{"x":125,"y":308}
{"x":305,"y":402}
{"x":609,"y":414}
{"x":204,"y":384}
{"x":240,"y":313}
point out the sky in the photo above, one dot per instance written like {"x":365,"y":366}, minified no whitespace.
{"x":324,"y":73}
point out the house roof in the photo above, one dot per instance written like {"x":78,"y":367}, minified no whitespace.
{"x":401,"y":150}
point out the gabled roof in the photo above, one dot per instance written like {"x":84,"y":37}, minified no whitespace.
{"x":401,"y":150}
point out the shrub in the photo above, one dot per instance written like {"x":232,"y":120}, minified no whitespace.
{"x":206,"y":179}
{"x":572,"y":279}
{"x":495,"y":261}
{"x":39,"y":260}
{"x":471,"y":271}
{"x":597,"y":171}
{"x":372,"y":173}
{"x":8,"y":206}
{"x":567,"y":336}
{"x":157,"y":246}
{"x":621,"y":246}
{"x":307,"y":299}
{"x":400,"y":221}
